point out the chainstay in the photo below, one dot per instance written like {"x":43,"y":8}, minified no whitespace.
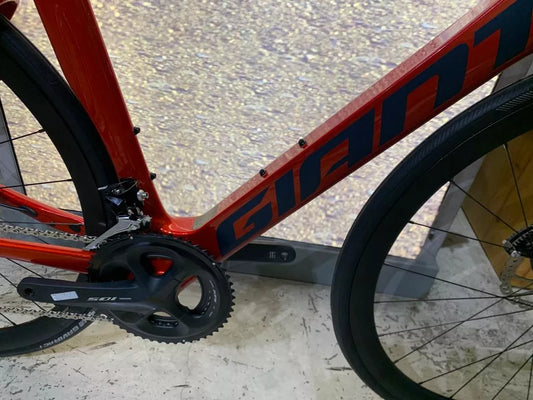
{"x":6,"y":228}
{"x":91,"y":316}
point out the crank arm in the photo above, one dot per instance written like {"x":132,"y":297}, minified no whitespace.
{"x":113,"y":296}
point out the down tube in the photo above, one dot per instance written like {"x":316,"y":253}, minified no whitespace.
{"x":478,"y":46}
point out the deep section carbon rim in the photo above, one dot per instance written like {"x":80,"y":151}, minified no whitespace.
{"x":438,"y":307}
{"x":49,"y":151}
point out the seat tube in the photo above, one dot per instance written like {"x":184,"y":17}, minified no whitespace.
{"x":77,"y":41}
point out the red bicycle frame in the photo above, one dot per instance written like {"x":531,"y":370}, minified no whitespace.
{"x":486,"y":40}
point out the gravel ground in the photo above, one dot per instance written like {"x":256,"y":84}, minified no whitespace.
{"x":222,"y":88}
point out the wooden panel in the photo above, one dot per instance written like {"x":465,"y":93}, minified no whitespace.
{"x":494,"y":187}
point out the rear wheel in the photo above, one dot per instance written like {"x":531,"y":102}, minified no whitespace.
{"x":426,"y":302}
{"x":51,"y":152}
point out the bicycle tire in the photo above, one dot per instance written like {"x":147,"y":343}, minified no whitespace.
{"x":359,"y":322}
{"x":31,"y":78}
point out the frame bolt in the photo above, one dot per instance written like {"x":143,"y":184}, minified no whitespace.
{"x":153,"y":175}
{"x":142,"y":195}
{"x":302,"y":142}
{"x":136,"y":130}
{"x":515,"y":254}
{"x":262,"y":172}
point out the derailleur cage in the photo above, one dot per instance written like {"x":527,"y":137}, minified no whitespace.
{"x":126,"y":201}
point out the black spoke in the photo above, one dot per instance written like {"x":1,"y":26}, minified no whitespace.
{"x":529,"y":382}
{"x":26,"y":268}
{"x":455,"y":234}
{"x":22,"y":136}
{"x":496,"y":296}
{"x":457,"y":325}
{"x":431,"y":300}
{"x":511,"y":378}
{"x":453,"y":322}
{"x":482,"y":205}
{"x":506,"y":147}
{"x":36,"y":183}
{"x":474,"y":362}
{"x":491,"y":361}
{"x":15,"y":286}
{"x":25,"y":211}
{"x":8,"y":320}
{"x":9,"y":281}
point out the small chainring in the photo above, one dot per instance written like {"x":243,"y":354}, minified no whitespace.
{"x":163,"y":266}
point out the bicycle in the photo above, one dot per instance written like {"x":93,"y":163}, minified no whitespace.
{"x":142,"y":292}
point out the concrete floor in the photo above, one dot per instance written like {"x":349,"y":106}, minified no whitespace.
{"x":279,"y":344}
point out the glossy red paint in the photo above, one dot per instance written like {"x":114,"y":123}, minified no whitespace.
{"x":76,"y":260}
{"x":419,"y":110}
{"x":8,"y":7}
{"x":78,"y":44}
{"x":159,"y":265}
{"x":62,"y":220}
{"x":82,"y":55}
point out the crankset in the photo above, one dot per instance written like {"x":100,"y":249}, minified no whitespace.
{"x":138,"y":280}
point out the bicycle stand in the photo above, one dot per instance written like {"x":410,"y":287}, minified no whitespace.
{"x":315,"y":263}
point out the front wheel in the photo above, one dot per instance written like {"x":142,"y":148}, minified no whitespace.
{"x":426,"y":301}
{"x":51,"y":152}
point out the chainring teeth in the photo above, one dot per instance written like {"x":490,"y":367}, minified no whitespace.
{"x":221,"y":287}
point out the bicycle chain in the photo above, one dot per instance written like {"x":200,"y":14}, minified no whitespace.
{"x":45,"y":234}
{"x":89,"y":317}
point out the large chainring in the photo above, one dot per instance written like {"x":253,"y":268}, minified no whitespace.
{"x":163,"y":266}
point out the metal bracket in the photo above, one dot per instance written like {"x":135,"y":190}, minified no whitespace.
{"x":123,"y":225}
